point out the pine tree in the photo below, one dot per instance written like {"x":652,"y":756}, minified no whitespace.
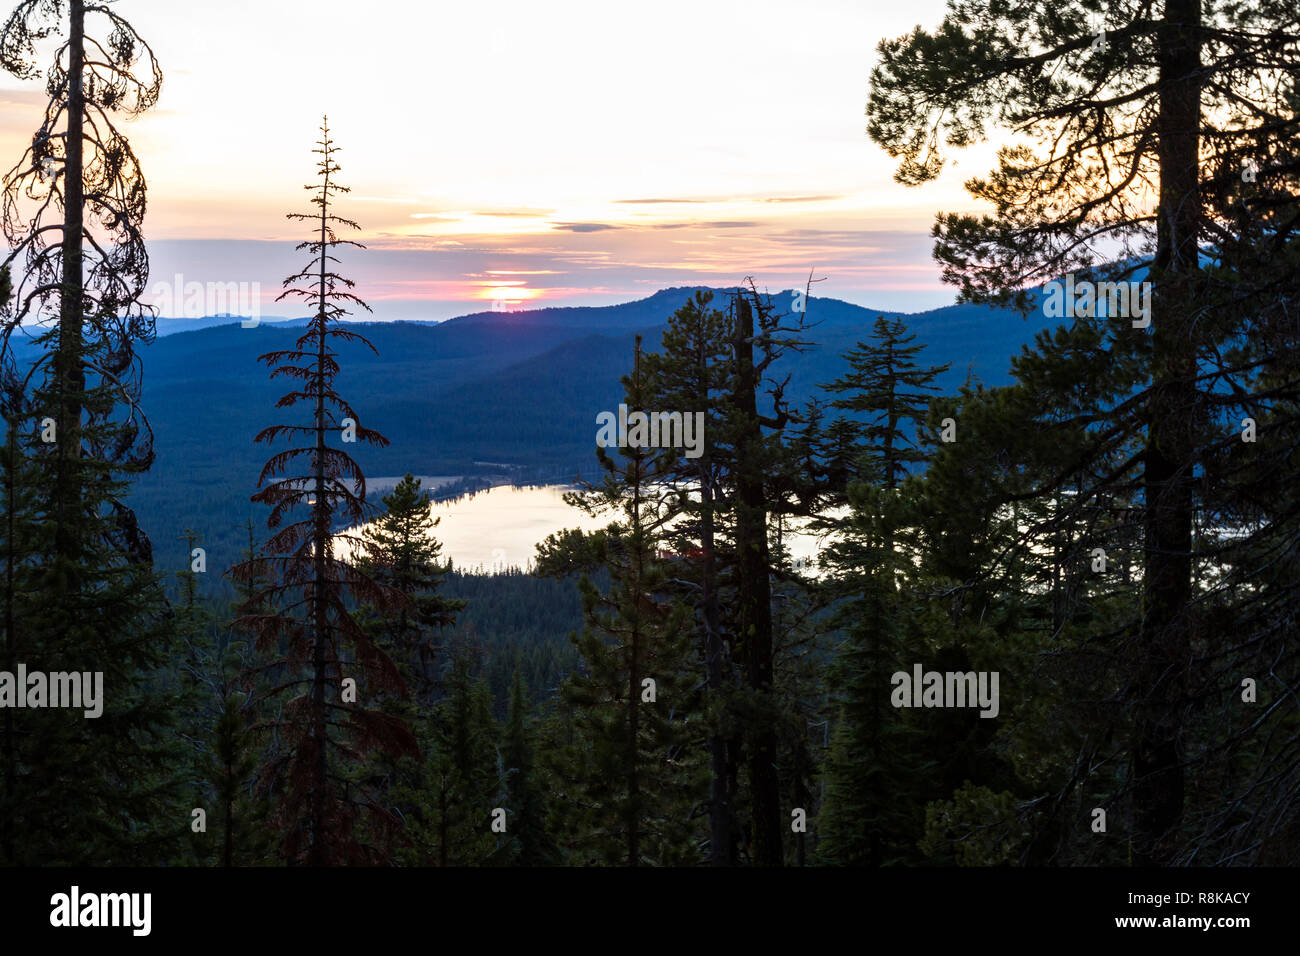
{"x":871,"y":776}
{"x":1158,"y":108}
{"x":885,"y":386}
{"x":87,"y":172}
{"x":767,"y":481}
{"x":757,"y":453}
{"x":330,"y":660}
{"x":689,"y":374}
{"x":527,"y":803}
{"x":104,"y":789}
{"x":631,"y":701}
{"x":400,"y":551}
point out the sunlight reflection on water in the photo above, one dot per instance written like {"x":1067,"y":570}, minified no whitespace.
{"x":500,"y":528}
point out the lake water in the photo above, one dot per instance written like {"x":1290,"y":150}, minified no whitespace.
{"x":500,"y":528}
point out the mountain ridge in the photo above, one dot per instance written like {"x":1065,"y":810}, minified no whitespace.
{"x":520,"y":387}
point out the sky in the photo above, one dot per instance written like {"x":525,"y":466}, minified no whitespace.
{"x":517,"y":154}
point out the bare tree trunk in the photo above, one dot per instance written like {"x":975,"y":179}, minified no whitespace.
{"x":754,"y":596}
{"x":722,"y":848}
{"x":68,"y":370}
{"x":1171,"y":442}
{"x":11,"y":664}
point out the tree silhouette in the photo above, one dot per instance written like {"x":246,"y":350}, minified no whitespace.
{"x":885,"y":385}
{"x":1135,"y":145}
{"x":634,"y":799}
{"x":304,"y":608}
{"x":71,"y":210}
{"x":79,"y":181}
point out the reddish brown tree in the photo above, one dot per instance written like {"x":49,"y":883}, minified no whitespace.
{"x":305,"y":609}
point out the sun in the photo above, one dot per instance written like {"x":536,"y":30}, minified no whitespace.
{"x":509,"y":294}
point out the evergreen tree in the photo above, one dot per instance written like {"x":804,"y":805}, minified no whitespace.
{"x":463,"y":790}
{"x":872,"y":775}
{"x":630,"y":703}
{"x":16,"y":484}
{"x":400,"y":551}
{"x":102,"y":789}
{"x":766,"y":481}
{"x":527,"y":803}
{"x":329,"y":660}
{"x":231,"y":768}
{"x":885,"y":386}
{"x":689,"y":374}
{"x":1156,"y":109}
{"x":217,"y":711}
{"x":758,"y":453}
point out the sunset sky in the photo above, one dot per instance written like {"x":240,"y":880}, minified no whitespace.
{"x":565,"y":153}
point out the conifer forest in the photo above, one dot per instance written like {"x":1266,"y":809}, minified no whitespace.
{"x":953,"y":532}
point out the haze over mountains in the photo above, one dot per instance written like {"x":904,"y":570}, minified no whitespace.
{"x":462,"y":397}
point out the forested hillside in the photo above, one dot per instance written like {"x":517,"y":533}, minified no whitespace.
{"x":1050,"y":621}
{"x":521,"y":388}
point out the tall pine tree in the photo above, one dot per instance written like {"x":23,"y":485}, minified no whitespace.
{"x":331,"y":663}
{"x":101,"y":789}
{"x":631,"y":702}
{"x":1136,"y":137}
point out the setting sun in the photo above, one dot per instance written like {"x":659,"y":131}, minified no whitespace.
{"x":509,"y":294}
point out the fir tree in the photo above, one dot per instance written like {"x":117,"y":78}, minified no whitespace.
{"x":534,"y":846}
{"x":871,"y":776}
{"x":231,"y":768}
{"x":305,"y":604}
{"x":400,"y":551}
{"x":630,"y":703}
{"x":462,"y":764}
{"x":885,"y":386}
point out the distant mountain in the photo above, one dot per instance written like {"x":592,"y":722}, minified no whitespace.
{"x":170,"y":326}
{"x":514,"y":388}
{"x":653,"y":311}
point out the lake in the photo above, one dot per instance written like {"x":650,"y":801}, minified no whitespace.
{"x":499,"y":528}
